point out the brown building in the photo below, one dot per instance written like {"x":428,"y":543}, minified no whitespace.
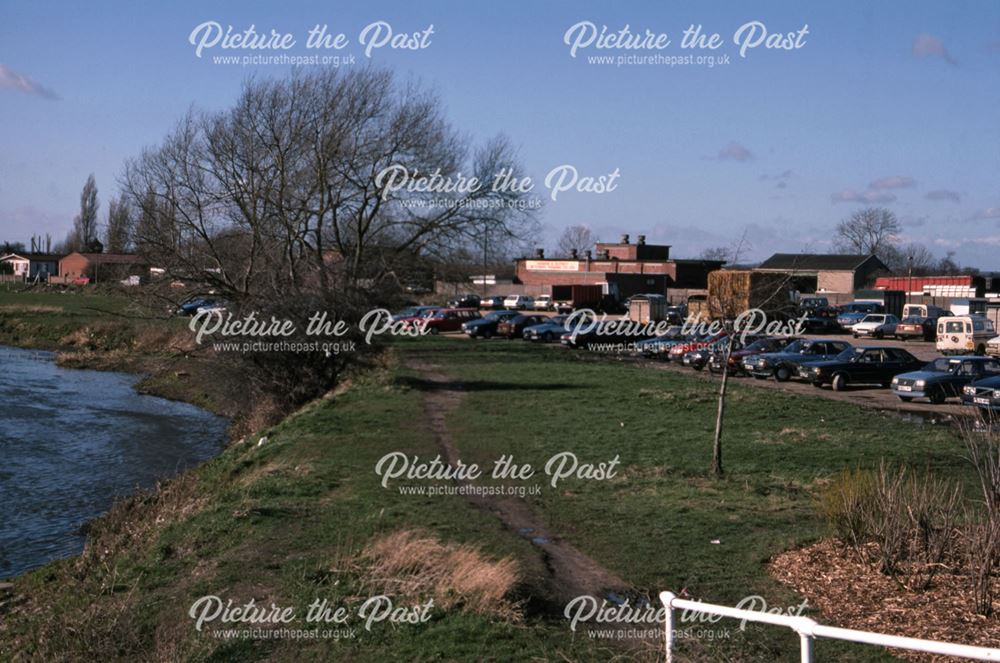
{"x":102,"y":266}
{"x":624,"y":269}
{"x":827,"y":272}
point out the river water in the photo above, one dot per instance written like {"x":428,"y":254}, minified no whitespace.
{"x":71,"y":441}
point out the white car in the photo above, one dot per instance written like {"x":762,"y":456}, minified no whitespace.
{"x":543,"y":302}
{"x":876,"y":325}
{"x":518,"y":302}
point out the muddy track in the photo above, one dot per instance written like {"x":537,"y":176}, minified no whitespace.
{"x":571,"y":573}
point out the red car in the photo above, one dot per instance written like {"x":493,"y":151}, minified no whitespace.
{"x":514,"y":327}
{"x":678,"y":351}
{"x":448,"y":319}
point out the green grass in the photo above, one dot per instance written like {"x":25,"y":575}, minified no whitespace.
{"x":284,"y":520}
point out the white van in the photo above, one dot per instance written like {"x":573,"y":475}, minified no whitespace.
{"x":964,"y":334}
{"x":922,"y":311}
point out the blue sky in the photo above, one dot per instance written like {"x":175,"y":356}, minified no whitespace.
{"x":890,"y":103}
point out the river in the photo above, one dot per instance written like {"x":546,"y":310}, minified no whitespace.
{"x":71,"y":441}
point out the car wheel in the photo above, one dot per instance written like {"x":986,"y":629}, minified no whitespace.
{"x":901,"y":338}
{"x":758,"y":377}
{"x":936,"y":396}
{"x":878,"y":334}
{"x":855,"y":335}
{"x":488,"y":333}
{"x":434,"y":331}
{"x":547,"y":336}
{"x":839,"y":382}
{"x":817,"y":384}
{"x":697,"y":367}
{"x":781,"y":374}
{"x":906,"y":399}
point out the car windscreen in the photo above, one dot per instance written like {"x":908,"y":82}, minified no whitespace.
{"x":941,"y":365}
{"x":849,"y":354}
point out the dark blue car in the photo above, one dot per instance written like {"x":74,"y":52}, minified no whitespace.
{"x":945,"y":377}
{"x":785,"y":364}
{"x":547,"y":331}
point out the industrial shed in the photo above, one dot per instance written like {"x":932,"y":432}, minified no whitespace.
{"x":827,"y":272}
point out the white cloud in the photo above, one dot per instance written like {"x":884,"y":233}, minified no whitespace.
{"x":925,"y":45}
{"x":735,"y":152}
{"x":893,"y":182}
{"x":12,"y":80}
{"x":944,"y":194}
{"x":869,"y":197}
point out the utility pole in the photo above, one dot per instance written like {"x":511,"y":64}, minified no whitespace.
{"x":909,"y":277}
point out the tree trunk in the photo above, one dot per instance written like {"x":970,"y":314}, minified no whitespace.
{"x":717,"y":444}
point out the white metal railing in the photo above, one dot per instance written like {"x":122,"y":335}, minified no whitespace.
{"x":808,"y":630}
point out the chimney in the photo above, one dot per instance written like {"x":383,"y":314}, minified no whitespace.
{"x":588,"y":254}
{"x":605,"y":254}
{"x":540,"y":254}
{"x":642,"y":239}
{"x":573,"y":254}
{"x":625,"y":239}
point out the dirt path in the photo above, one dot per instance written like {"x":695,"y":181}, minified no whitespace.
{"x":571,"y":573}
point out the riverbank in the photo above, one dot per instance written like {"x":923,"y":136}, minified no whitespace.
{"x":298,"y":513}
{"x":106,"y":330}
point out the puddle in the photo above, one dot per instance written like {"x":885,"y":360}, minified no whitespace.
{"x":539,"y":540}
{"x":525,"y":530}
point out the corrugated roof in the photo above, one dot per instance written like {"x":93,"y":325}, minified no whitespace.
{"x":816,"y":261}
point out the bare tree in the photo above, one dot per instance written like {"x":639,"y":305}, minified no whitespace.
{"x":769,"y":293}
{"x":574,"y":238}
{"x":85,"y":224}
{"x":117,"y":233}
{"x":717,"y":253}
{"x":288,"y":189}
{"x":871,"y":231}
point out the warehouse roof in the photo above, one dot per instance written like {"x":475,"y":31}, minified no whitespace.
{"x":818,"y":261}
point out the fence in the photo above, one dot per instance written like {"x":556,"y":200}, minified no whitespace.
{"x":809,"y":630}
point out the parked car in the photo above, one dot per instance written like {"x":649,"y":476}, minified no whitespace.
{"x":486,"y":326}
{"x":964,"y":334}
{"x":945,"y":377}
{"x":548,"y":330}
{"x":852,"y":313}
{"x":785,"y":364}
{"x":195,"y":304}
{"x":661,"y":344}
{"x":758,"y":347}
{"x":698,"y":358}
{"x":413,"y":312}
{"x":819,"y":320}
{"x":543,"y":303}
{"x":465,"y":301}
{"x":916,"y":327}
{"x":492,"y":302}
{"x":605,"y":331}
{"x":983,"y":393}
{"x":860,"y":365}
{"x":515,"y":302}
{"x":514,"y":326}
{"x":678,"y":351}
{"x":447,"y":319}
{"x":876,"y":325}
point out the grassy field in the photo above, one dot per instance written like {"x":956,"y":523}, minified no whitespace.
{"x":288,"y":521}
{"x":294,"y":519}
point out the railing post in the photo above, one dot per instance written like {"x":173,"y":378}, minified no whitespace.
{"x":807,"y":647}
{"x":805,"y":630}
{"x":667,"y":599}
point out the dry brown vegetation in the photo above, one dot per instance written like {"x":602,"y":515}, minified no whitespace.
{"x":416,"y":564}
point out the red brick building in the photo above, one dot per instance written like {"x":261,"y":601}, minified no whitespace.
{"x":623,"y":268}
{"x":102,"y":266}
